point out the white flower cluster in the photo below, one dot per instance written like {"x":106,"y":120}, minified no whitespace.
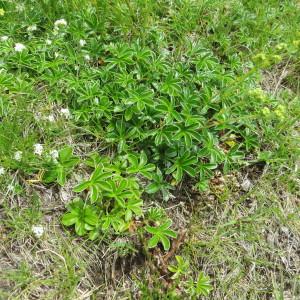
{"x":2,"y":171}
{"x":32,"y":28}
{"x":51,"y":118}
{"x":18,"y":155}
{"x":38,"y":149}
{"x":60,"y":23}
{"x":82,"y":43}
{"x":54,"y":154}
{"x":38,"y":230}
{"x":87,"y":57}
{"x":65,"y":112}
{"x":4,"y":38}
{"x":19,"y":47}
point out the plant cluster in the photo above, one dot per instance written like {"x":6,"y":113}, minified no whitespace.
{"x":146,"y":103}
{"x":114,"y":201}
{"x":163,"y":115}
{"x":182,"y":284}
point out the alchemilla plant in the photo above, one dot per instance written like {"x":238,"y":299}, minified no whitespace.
{"x":127,"y":109}
{"x":162,"y":116}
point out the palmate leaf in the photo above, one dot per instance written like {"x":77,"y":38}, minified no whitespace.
{"x":120,"y":189}
{"x":121,"y":56}
{"x":118,"y":133}
{"x":168,"y":110}
{"x":138,"y":164}
{"x":96,"y":184}
{"x":164,"y":135}
{"x":203,"y":286}
{"x":60,"y":170}
{"x":203,"y":185}
{"x":159,"y":184}
{"x":133,"y":206}
{"x":114,"y":220}
{"x":161,"y":234}
{"x":141,"y":97}
{"x":142,"y":54}
{"x":187,"y":132}
{"x":210,"y":148}
{"x":184,"y":164}
{"x":171,"y":85}
{"x":233,"y":156}
{"x":83,"y":216}
{"x":205,"y":169}
{"x":180,"y":269}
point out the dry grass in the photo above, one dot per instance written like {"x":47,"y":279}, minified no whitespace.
{"x":247,"y":241}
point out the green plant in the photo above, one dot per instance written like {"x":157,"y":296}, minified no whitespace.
{"x":161,"y":233}
{"x":201,"y":287}
{"x":95,"y":184}
{"x":165,"y":95}
{"x":139,"y":165}
{"x":158,"y":184}
{"x":156,"y":214}
{"x":59,"y":170}
{"x":183,"y":164}
{"x":180,"y":269}
{"x":82,"y":215}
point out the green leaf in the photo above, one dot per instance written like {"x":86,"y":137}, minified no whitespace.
{"x":152,"y":188}
{"x":203,"y":286}
{"x":65,"y":154}
{"x":90,"y":216}
{"x":203,"y":185}
{"x":61,"y":175}
{"x":81,"y":186}
{"x":95,"y":193}
{"x":153,"y":241}
{"x":79,"y":228}
{"x":151,"y":229}
{"x":170,"y":233}
{"x":166,"y":242}
{"x":69,"y":219}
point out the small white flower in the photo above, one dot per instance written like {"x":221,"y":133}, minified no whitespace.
{"x":37,"y":116}
{"x":4,"y":38}
{"x":51,"y":118}
{"x":82,"y":43}
{"x":165,"y":52}
{"x":31,"y":28}
{"x":10,"y":187}
{"x":96,"y":100}
{"x":2,"y":171}
{"x":54,"y":154}
{"x":38,"y":149}
{"x":19,"y":47}
{"x":38,"y":230}
{"x":87,"y":57}
{"x":48,"y":42}
{"x":65,"y":112}
{"x":20,"y":7}
{"x":56,"y":54}
{"x":59,"y":23}
{"x":18,"y":155}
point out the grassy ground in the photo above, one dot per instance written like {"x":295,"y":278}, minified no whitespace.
{"x":243,"y":232}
